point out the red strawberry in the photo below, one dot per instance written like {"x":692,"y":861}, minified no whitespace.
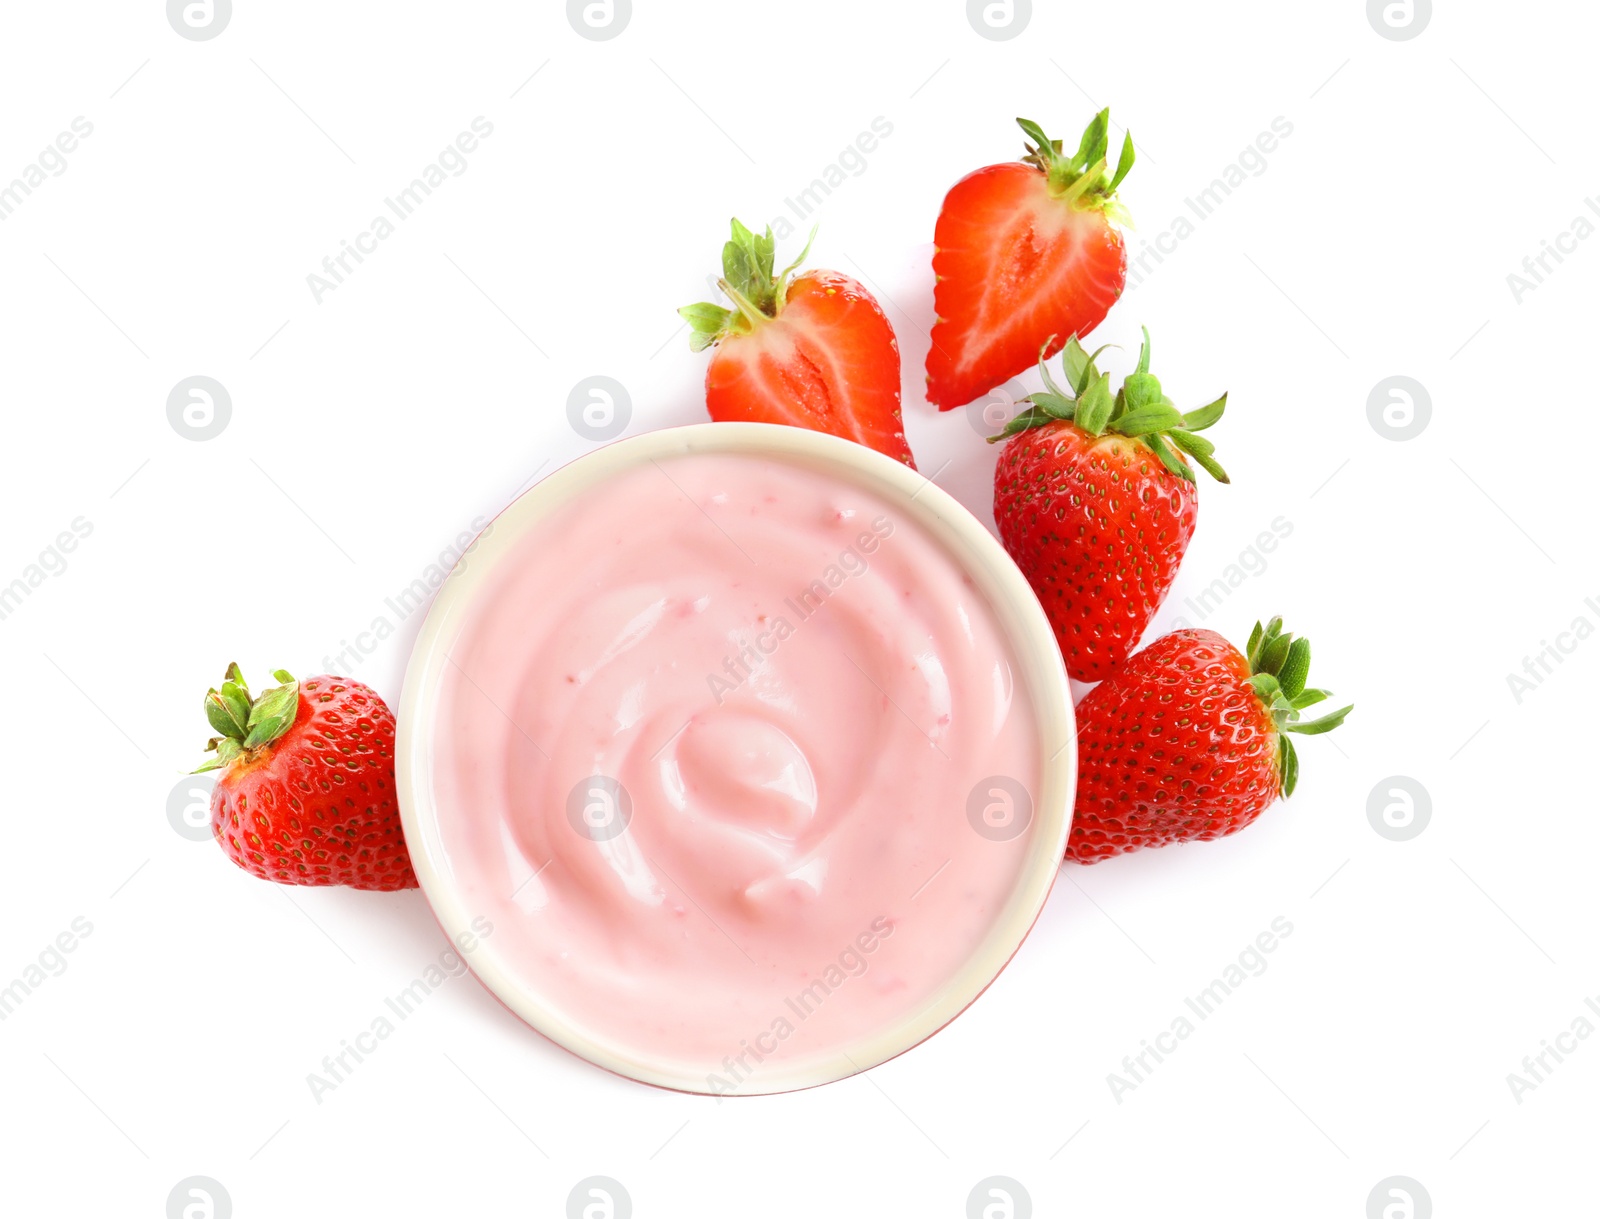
{"x":1025,"y":254}
{"x":817,"y":353}
{"x":1190,"y":740}
{"x":306,"y":794}
{"x":1096,"y":507}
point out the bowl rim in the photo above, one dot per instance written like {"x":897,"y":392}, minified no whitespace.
{"x":970,"y":545}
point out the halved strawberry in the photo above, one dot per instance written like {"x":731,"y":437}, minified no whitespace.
{"x":817,"y":353}
{"x":1025,"y":255}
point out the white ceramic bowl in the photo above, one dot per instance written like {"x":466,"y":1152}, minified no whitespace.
{"x":971,"y":546}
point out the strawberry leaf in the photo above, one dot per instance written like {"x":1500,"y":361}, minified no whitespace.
{"x":1195,"y":446}
{"x":1092,"y":147}
{"x":1265,"y":685}
{"x":739,"y":257}
{"x":1288,"y":767}
{"x":747,"y":279}
{"x":1279,"y":664}
{"x":1079,"y":365}
{"x":783,"y":280}
{"x":1081,"y":180}
{"x":1034,"y":416}
{"x":1200,"y":449}
{"x":1054,"y":405}
{"x":227,"y":750}
{"x":1138,"y":410}
{"x":222,"y":713}
{"x":707,"y":323}
{"x":272,"y":713}
{"x":1066,"y":366}
{"x":1296,"y":668}
{"x":741,"y":262}
{"x":1275,"y":653}
{"x":705,"y":316}
{"x":244,"y":723}
{"x":1095,"y":404}
{"x":1325,"y":724}
{"x":1264,"y":641}
{"x":1141,"y":390}
{"x":1036,"y":133}
{"x":1094,"y":356}
{"x":765,"y":247}
{"x":1212,"y":467}
{"x":1142,"y":420}
{"x":1168,"y":458}
{"x":1200,"y":419}
{"x":237,"y":696}
{"x":1124,"y":162}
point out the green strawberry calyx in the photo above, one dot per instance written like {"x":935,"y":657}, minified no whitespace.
{"x":247,"y":724}
{"x":748,"y":281}
{"x":1279,"y":666}
{"x":1139,"y":409}
{"x":1084,"y":179}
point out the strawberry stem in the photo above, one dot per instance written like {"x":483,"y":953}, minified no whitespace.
{"x":748,"y":281}
{"x":1279,"y":666}
{"x":1080,"y":180}
{"x":247,"y":724}
{"x":1140,"y":409}
{"x":751,"y":314}
{"x":1077,"y":187}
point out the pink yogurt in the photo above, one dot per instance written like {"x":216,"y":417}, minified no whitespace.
{"x":706,"y":755}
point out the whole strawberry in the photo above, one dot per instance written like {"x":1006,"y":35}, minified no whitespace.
{"x":1025,"y":253}
{"x":306,"y":794}
{"x":1096,"y":503}
{"x":1191,"y":740}
{"x":814,"y":352}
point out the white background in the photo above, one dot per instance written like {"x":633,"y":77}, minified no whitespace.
{"x":369,"y":430}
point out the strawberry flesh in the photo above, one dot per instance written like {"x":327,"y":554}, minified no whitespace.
{"x":828,"y":361}
{"x":1017,"y":271}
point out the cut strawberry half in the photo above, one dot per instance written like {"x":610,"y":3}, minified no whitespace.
{"x":816,"y":352}
{"x":1025,"y":254}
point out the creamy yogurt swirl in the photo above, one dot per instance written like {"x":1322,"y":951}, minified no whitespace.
{"x":717,"y":757}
